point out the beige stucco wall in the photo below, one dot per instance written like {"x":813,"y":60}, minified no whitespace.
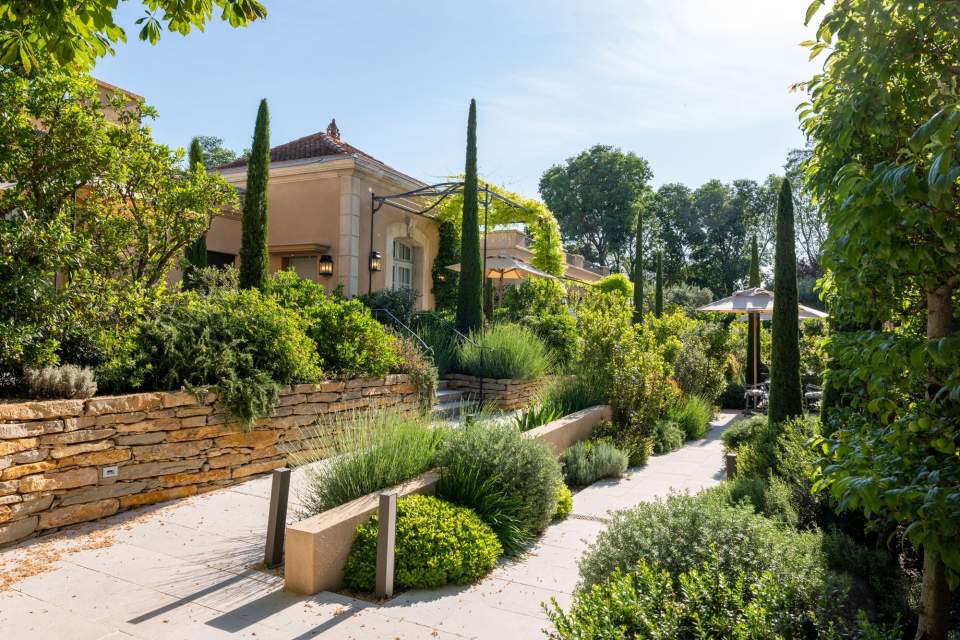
{"x":322,"y":206}
{"x":509,"y":242}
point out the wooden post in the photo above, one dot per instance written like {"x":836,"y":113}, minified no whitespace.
{"x":277,"y":518}
{"x":731,"y":460}
{"x":386,"y":541}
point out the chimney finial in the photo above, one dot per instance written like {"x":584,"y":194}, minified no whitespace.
{"x":332,"y":130}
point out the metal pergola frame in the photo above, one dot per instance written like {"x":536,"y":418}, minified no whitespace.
{"x":408,"y":202}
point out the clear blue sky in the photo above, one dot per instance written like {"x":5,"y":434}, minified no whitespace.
{"x":698,"y":87}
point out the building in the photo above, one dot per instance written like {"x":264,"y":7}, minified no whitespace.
{"x":516,"y":244}
{"x":319,"y":200}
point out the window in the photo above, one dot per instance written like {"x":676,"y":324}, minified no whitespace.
{"x":305,"y":266}
{"x":402,"y":265}
{"x":220,"y":260}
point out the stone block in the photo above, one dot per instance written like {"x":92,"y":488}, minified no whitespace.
{"x":163,"y":424}
{"x":78,"y":513}
{"x":30,"y":505}
{"x":27,"y":469}
{"x":152,"y":437}
{"x":149,"y":453}
{"x":351,"y":394}
{"x":109,"y":419}
{"x":17,"y":530}
{"x":305,"y":388}
{"x":201,"y":477}
{"x":355,"y":383}
{"x":323,"y":396}
{"x":156,"y":414}
{"x":9,"y":486}
{"x":67,"y":451}
{"x":75,"y":437}
{"x":180,"y":399}
{"x":97,"y":458}
{"x":24,"y":411}
{"x":192,"y":422}
{"x":251,"y":440}
{"x":79,"y":496}
{"x":258,"y":467}
{"x":310,"y":408}
{"x":54,"y":481}
{"x":16,"y":446}
{"x":84,"y":422}
{"x":123,"y":404}
{"x":156,"y":469}
{"x":29,"y":456}
{"x":293,"y":398}
{"x":191,"y":412}
{"x":334,"y":385}
{"x":228,"y":460}
{"x":20,"y":430}
{"x":160,"y":495}
{"x":198,"y":433}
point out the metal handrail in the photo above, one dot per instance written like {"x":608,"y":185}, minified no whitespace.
{"x":396,"y":321}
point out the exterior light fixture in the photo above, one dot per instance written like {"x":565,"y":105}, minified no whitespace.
{"x":326,"y":265}
{"x":376,"y":261}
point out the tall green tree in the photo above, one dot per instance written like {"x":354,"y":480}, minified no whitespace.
{"x":753,"y":321}
{"x":215,"y":153}
{"x":470,"y":295}
{"x":595,"y":197}
{"x":196,"y":251}
{"x":658,"y":299}
{"x":446,"y":283}
{"x":638,"y":273}
{"x":76,"y":33}
{"x":786,"y":395}
{"x":884,"y":116}
{"x":254,"y":254}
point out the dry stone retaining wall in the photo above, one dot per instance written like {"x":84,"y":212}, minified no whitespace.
{"x":505,"y":393}
{"x":164,"y":445}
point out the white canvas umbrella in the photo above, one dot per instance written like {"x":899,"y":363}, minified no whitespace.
{"x":508,"y":268}
{"x":758,"y":302}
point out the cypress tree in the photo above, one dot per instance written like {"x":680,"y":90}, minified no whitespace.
{"x":254,"y":256}
{"x":753,"y":321}
{"x":638,"y":273}
{"x":786,"y":397}
{"x":470,"y":295}
{"x":196,"y":251}
{"x":658,"y":300}
{"x":488,"y":298}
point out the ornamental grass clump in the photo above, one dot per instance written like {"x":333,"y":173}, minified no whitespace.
{"x":523,"y":469}
{"x":65,"y":381}
{"x":586,"y":462}
{"x":693,"y":415}
{"x":504,"y":351}
{"x":362,"y":453}
{"x":437,"y":543}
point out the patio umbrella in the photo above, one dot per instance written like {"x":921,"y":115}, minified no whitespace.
{"x":805,"y":313}
{"x":759,"y":302}
{"x":508,"y":268}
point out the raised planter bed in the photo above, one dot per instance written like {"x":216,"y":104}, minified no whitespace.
{"x":63,"y":462}
{"x":316,"y":549}
{"x":504,"y":393}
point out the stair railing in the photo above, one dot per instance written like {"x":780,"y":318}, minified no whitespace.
{"x":395,"y":322}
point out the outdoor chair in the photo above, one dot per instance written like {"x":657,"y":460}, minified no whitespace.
{"x":812,"y":397}
{"x":755,"y":397}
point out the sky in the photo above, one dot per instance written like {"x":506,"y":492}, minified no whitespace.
{"x":700,"y":88}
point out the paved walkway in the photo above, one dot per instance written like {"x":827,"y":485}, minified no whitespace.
{"x":183,"y":571}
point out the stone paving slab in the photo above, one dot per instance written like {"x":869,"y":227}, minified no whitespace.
{"x":187,"y":570}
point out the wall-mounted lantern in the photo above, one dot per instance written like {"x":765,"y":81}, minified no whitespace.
{"x":376,"y":261}
{"x":326,"y":265}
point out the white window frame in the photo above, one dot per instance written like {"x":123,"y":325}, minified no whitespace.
{"x":402,"y":265}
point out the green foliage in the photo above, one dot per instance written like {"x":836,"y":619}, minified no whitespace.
{"x":568,"y":394}
{"x":446,"y":283}
{"x":667,"y":436}
{"x":65,"y":381}
{"x":196,"y":252}
{"x":615,"y":283}
{"x":115,"y":262}
{"x":349,"y":341}
{"x":786,"y":395}
{"x":753,"y":321}
{"x":469,"y":296}
{"x":241,"y":344}
{"x":732,"y":396}
{"x":437,"y":544}
{"x":254,"y":254}
{"x":559,"y":335}
{"x":697,"y":373}
{"x":535,"y":415}
{"x":686,"y":297}
{"x":438,"y":333}
{"x":213,"y":153}
{"x":693,"y":415}
{"x":682,"y":532}
{"x":522,"y":468}
{"x":399,"y":302}
{"x":504,"y":351}
{"x":700,"y":602}
{"x":368,"y":451}
{"x":412,"y":361}
{"x":636,"y":443}
{"x":215,"y":280}
{"x":465,"y":483}
{"x":586,"y":462}
{"x":595,"y":197}
{"x":638,"y":271}
{"x":534,"y":297}
{"x":744,"y":432}
{"x":564,"y":502}
{"x":39,"y":35}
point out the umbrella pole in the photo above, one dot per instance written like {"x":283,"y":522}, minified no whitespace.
{"x":756,"y":349}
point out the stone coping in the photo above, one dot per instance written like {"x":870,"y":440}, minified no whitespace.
{"x":316,"y":549}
